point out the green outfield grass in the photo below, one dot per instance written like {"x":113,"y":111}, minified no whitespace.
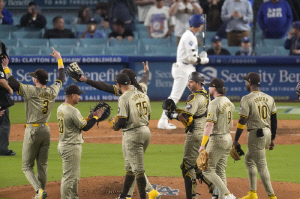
{"x":17,"y":112}
{"x":160,"y":160}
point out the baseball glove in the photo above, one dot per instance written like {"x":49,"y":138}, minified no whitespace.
{"x":107,"y":110}
{"x":236,"y":152}
{"x":202,"y":160}
{"x":75,"y":72}
{"x":169,"y":105}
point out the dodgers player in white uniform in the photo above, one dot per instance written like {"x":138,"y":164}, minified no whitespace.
{"x":187,"y":57}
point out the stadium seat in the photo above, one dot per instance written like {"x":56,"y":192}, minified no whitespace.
{"x":148,"y":43}
{"x":10,"y":43}
{"x":233,"y":49}
{"x":26,"y":34}
{"x":80,"y":27}
{"x":265,"y":51}
{"x":124,"y":42}
{"x":281,"y":51}
{"x":64,"y":51}
{"x":89,"y":51}
{"x":122,"y":50}
{"x":273,"y":42}
{"x":34,"y":43}
{"x":64,"y":43}
{"x":161,"y":51}
{"x":208,"y":36}
{"x":4,"y":35}
{"x":16,"y":20}
{"x":143,"y":34}
{"x":7,"y":28}
{"x":140,"y":27}
{"x":25,"y":51}
{"x":93,"y":42}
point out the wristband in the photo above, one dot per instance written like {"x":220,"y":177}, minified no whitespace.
{"x":204,"y":140}
{"x":6,"y":70}
{"x":60,"y":62}
{"x":240,"y":126}
{"x":96,"y":117}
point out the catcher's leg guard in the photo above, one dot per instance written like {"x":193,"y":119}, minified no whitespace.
{"x":141,"y":184}
{"x":201,"y":178}
{"x":129,"y":178}
{"x":190,"y":183}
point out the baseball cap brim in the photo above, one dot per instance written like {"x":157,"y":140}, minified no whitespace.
{"x":208,"y":84}
{"x":32,"y":74}
{"x":245,"y":78}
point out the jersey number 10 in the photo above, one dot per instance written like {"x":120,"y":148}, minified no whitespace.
{"x":263,"y":111}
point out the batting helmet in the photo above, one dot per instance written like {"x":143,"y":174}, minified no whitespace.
{"x":197,"y":77}
{"x":196,"y":21}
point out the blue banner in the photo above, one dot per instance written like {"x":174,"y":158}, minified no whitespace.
{"x":51,"y":3}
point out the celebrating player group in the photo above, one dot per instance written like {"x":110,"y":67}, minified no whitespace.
{"x":207,"y":125}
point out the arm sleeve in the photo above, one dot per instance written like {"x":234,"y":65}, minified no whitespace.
{"x":191,"y":47}
{"x":61,"y":75}
{"x":89,"y":124}
{"x":78,"y":120}
{"x":13,"y":83}
{"x":212,"y":113}
{"x":40,"y":21}
{"x":145,"y":77}
{"x":244,"y":108}
{"x":102,"y":86}
{"x":273,"y":125}
{"x":274,"y":109}
{"x":248,"y":18}
{"x":260,"y":18}
{"x":225,"y":16}
{"x":123,"y":108}
{"x":148,"y":18}
{"x":121,"y":123}
{"x":289,"y":16}
{"x":26,"y":91}
{"x":25,"y":20}
{"x":287,"y":44}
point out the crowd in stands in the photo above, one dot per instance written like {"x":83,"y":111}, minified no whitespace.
{"x":230,"y":21}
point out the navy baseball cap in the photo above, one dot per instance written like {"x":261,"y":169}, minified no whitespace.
{"x":41,"y":75}
{"x":123,"y":79}
{"x":92,"y":20}
{"x":252,"y":77}
{"x":296,"y":25}
{"x":216,"y":82}
{"x":246,"y":39}
{"x":216,"y":38}
{"x":73,"y":89}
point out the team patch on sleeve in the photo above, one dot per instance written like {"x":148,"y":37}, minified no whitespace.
{"x":191,"y":43}
{"x":188,"y":106}
{"x":118,"y":109}
{"x":209,"y":115}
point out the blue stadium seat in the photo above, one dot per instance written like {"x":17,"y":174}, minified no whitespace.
{"x":10,"y":43}
{"x":273,"y":42}
{"x":64,"y":51}
{"x":34,"y":43}
{"x":281,"y":51}
{"x":259,"y":38}
{"x":124,"y":42}
{"x":26,"y":34}
{"x":148,"y":43}
{"x":25,"y":51}
{"x":7,"y":28}
{"x":4,"y":35}
{"x":161,"y":51}
{"x":265,"y":51}
{"x":208,"y":36}
{"x":16,"y":20}
{"x":80,"y":27}
{"x":140,"y":27}
{"x":122,"y":50}
{"x":233,"y":49}
{"x":64,"y":43}
{"x":89,"y":51}
{"x":93,"y":42}
{"x":144,"y":35}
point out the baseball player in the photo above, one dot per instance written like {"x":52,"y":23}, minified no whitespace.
{"x":193,"y":117}
{"x":133,"y":117}
{"x":298,"y":90}
{"x":39,"y":101}
{"x":217,"y":127}
{"x":187,"y":57}
{"x":257,"y":110}
{"x":71,"y":123}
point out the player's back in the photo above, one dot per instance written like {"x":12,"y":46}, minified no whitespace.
{"x":138,"y":109}
{"x":39,"y":101}
{"x":187,"y":42}
{"x":257,"y":107}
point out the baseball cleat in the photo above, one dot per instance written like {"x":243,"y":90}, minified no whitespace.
{"x":251,"y":195}
{"x":42,"y":194}
{"x":214,"y":197}
{"x":272,"y":196}
{"x":154,"y":194}
{"x":230,"y":196}
{"x":166,"y":125}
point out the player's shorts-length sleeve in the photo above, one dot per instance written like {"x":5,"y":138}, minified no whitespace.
{"x":56,"y":86}
{"x":192,"y":104}
{"x":26,"y":91}
{"x":123,"y":108}
{"x":212,"y":113}
{"x":244,"y":108}
{"x":78,"y":120}
{"x":273,"y":109}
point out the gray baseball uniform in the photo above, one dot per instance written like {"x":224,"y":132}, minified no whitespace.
{"x":220,"y":112}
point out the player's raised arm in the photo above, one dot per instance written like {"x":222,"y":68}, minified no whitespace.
{"x":13,"y":83}
{"x":145,"y":77}
{"x":61,"y":69}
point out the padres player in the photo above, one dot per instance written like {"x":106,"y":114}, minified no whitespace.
{"x":217,"y":127}
{"x":193,"y":117}
{"x":187,"y":56}
{"x":133,"y":117}
{"x":257,"y":109}
{"x":39,"y":101}
{"x":70,"y":123}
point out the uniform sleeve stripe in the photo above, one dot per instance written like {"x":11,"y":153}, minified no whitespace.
{"x":211,"y":121}
{"x":58,"y":80}
{"x":83,"y":125}
{"x":273,"y":112}
{"x":243,"y":116}
{"x":121,"y":117}
{"x":19,"y":91}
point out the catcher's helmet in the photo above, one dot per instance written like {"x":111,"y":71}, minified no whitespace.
{"x":196,"y":21}
{"x":197,"y":77}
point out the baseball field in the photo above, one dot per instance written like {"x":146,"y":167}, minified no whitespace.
{"x":102,"y":164}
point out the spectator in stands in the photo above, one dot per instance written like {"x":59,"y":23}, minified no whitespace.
{"x":58,"y":30}
{"x":238,"y":14}
{"x":292,"y":42}
{"x":246,"y":48}
{"x":275,"y":18}
{"x":33,"y":18}
{"x":91,"y":31}
{"x":123,"y":10}
{"x":102,"y":11}
{"x":216,"y":43}
{"x":120,"y":33}
{"x":183,"y":10}
{"x":158,"y":21}
{"x":212,"y":8}
{"x":143,"y":8}
{"x":84,"y":15}
{"x":5,"y":15}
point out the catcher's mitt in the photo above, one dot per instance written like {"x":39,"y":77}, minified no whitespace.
{"x":75,"y":72}
{"x":107,"y":110}
{"x":202,"y":160}
{"x":169,"y":105}
{"x":236,"y":152}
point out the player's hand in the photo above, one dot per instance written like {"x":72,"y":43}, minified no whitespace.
{"x":55,"y":54}
{"x":201,"y":149}
{"x":272,"y":145}
{"x":1,"y":112}
{"x":119,"y":38}
{"x":146,"y":66}
{"x":99,"y":112}
{"x":239,"y":15}
{"x":296,"y":51}
{"x":5,"y":62}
